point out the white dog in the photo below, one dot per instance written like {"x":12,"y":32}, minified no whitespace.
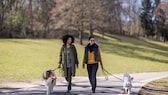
{"x":49,"y":77}
{"x":127,"y":83}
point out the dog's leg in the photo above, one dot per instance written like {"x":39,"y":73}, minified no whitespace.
{"x":129,"y":90}
{"x":52,"y":86}
{"x":126,"y":90}
{"x":48,"y":91}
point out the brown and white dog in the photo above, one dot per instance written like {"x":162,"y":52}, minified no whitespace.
{"x":49,"y":77}
{"x":127,"y":83}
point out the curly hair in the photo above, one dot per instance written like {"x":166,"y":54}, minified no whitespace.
{"x":65,"y":38}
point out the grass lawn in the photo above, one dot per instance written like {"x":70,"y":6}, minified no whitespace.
{"x":26,"y":59}
{"x":157,"y":87}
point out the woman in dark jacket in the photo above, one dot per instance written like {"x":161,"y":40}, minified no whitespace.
{"x":68,"y":59}
{"x":92,"y":57}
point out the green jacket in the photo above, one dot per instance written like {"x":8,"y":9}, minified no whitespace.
{"x":63,"y":60}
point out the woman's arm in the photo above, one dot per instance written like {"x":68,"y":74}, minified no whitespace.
{"x":76,"y":56}
{"x":84,"y":59}
{"x":100,"y":59}
{"x":60,"y":57}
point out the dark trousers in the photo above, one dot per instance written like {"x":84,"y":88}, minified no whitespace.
{"x":92,"y":71}
{"x":69,"y":78}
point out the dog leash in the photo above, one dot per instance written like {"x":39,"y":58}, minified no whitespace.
{"x":107,"y":73}
{"x":60,"y":71}
{"x":56,"y":69}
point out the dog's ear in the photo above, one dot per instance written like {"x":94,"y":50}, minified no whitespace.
{"x":44,"y":76}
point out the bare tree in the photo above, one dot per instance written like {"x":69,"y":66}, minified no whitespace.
{"x":131,"y":12}
{"x":2,"y":9}
{"x":161,"y":18}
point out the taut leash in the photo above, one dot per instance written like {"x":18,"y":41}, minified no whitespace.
{"x":56,"y":69}
{"x":59,"y":69}
{"x":107,"y":73}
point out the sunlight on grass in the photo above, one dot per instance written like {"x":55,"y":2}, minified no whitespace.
{"x":156,"y":87}
{"x":26,"y":59}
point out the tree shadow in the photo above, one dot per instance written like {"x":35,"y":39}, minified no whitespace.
{"x":153,"y":89}
{"x":21,"y":91}
{"x":121,"y":48}
{"x":81,"y":87}
{"x":22,"y":42}
{"x":147,"y":90}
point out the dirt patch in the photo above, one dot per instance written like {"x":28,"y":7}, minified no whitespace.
{"x":157,"y":87}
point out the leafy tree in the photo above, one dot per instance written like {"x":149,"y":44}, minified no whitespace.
{"x":146,"y":17}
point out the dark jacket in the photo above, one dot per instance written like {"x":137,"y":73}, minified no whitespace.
{"x":96,"y":51}
{"x":63,"y":61}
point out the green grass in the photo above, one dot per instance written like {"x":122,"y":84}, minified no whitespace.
{"x":26,"y":59}
{"x":134,"y":55}
{"x":157,"y":87}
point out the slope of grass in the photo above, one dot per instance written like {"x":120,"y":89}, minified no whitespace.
{"x":134,"y":55}
{"x":26,"y":59}
{"x":157,"y":87}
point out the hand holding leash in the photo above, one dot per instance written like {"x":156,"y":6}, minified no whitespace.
{"x":107,"y":73}
{"x":59,"y":66}
{"x":76,"y":65}
{"x":83,"y":65}
{"x":102,"y":67}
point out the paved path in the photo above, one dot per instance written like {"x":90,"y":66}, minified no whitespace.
{"x":81,"y":86}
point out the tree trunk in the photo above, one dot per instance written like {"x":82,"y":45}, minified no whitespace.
{"x":91,"y":28}
{"x":80,"y":37}
{"x":31,"y":14}
{"x":164,"y":38}
{"x":1,"y":14}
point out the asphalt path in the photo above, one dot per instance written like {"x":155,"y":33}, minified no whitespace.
{"x":81,"y":85}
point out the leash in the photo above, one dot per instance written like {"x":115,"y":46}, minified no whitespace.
{"x":59,"y":68}
{"x":107,"y":73}
{"x":60,"y":71}
{"x":56,"y":69}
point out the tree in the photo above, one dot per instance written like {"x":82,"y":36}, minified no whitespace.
{"x":147,"y":21}
{"x":161,"y":20}
{"x":131,"y":17}
{"x":2,"y":10}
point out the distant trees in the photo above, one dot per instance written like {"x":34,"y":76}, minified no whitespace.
{"x":147,"y":19}
{"x":154,"y":19}
{"x":161,"y":21}
{"x":53,"y":18}
{"x":24,"y":18}
{"x":131,"y":10}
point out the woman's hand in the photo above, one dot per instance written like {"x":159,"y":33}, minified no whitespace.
{"x":77,"y":66}
{"x":59,"y":66}
{"x":102,"y":67}
{"x":83,"y":65}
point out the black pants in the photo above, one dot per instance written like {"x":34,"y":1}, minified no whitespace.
{"x":92,"y":71}
{"x":69,"y":78}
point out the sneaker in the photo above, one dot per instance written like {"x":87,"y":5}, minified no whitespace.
{"x":93,"y":90}
{"x":69,"y":87}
